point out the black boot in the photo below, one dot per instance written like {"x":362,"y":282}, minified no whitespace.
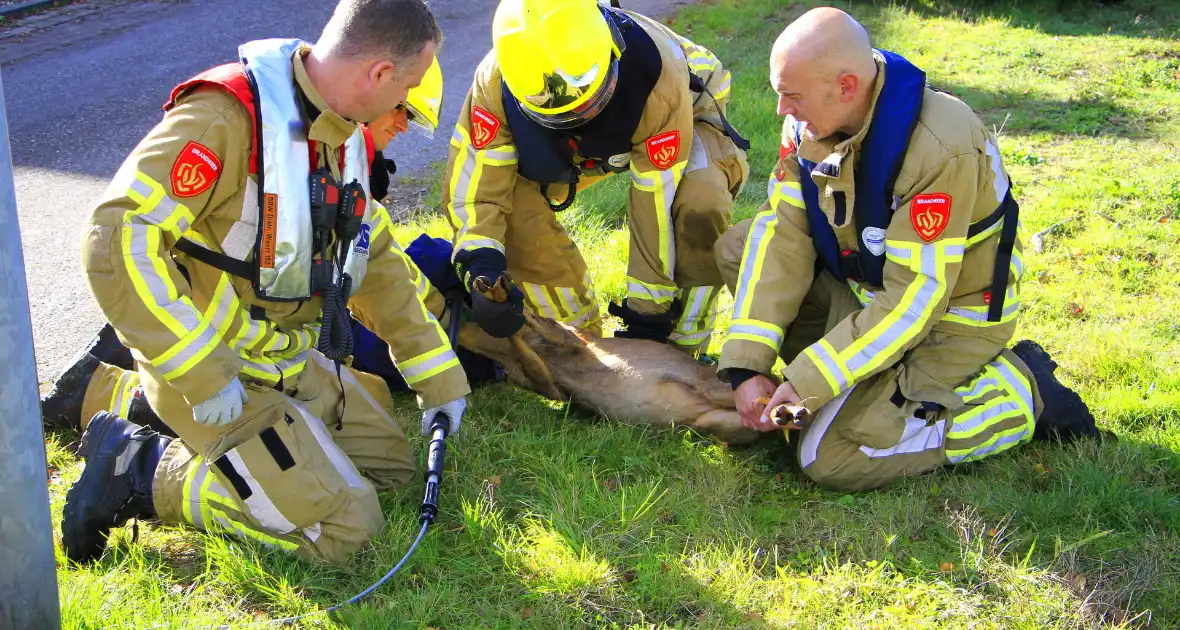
{"x":115,"y":486}
{"x":1065,"y":417}
{"x":107,"y":347}
{"x":141,"y":413}
{"x":62,"y":407}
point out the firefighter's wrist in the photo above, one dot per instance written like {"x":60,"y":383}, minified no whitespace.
{"x":737,"y":376}
{"x":481,"y":262}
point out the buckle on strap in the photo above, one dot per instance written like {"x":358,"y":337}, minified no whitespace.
{"x":851,"y":266}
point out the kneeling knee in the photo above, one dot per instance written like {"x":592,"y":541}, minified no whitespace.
{"x":348,"y":529}
{"x":848,"y":475}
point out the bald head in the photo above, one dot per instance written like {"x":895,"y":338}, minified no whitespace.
{"x":825,"y":55}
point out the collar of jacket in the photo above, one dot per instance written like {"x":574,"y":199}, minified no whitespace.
{"x":327,"y":126}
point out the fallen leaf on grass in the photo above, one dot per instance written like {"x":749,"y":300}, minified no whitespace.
{"x":946,"y":567}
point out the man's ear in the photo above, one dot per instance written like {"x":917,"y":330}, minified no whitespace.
{"x":380,"y":70}
{"x":849,"y":83}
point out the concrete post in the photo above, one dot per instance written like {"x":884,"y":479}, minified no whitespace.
{"x":28,"y":569}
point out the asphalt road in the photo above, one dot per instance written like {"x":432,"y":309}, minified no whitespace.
{"x":84,"y":83}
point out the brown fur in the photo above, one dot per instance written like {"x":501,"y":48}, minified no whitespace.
{"x":628,"y":380}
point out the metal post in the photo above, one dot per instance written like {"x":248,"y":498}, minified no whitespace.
{"x":28,"y":569}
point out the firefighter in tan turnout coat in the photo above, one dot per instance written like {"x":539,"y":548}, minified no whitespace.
{"x":574,"y":92}
{"x":223,"y":275}
{"x":896,"y":340}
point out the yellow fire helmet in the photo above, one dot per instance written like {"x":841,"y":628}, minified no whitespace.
{"x":424,"y":102}
{"x":559,"y":58}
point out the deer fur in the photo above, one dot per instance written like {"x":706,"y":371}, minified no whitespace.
{"x":627,"y":380}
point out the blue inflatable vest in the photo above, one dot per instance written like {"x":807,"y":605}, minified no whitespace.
{"x":881,"y":155}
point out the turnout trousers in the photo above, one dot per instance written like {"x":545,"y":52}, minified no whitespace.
{"x":550,"y":270}
{"x":870,"y":435}
{"x":299,"y":470}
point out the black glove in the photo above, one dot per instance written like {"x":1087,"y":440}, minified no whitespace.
{"x":379,"y":172}
{"x":483,"y":272}
{"x":499,"y":319}
{"x":640,"y":326}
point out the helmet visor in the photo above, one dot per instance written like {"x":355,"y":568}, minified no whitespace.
{"x":419,"y":120}
{"x":562,"y":89}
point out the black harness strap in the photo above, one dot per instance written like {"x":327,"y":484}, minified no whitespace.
{"x":217,"y":260}
{"x":1011,"y":214}
{"x":697,"y":84}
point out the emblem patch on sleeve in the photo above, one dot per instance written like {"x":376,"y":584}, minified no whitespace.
{"x":483,"y":127}
{"x":662,"y":149}
{"x":195,"y":170}
{"x":930,"y":213}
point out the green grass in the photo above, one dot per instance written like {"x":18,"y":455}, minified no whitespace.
{"x":554,"y":519}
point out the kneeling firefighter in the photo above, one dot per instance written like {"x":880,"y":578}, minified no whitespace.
{"x":102,"y":376}
{"x":573,"y":92}
{"x":256,"y":184}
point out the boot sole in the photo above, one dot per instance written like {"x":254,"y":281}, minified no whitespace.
{"x":71,"y":529}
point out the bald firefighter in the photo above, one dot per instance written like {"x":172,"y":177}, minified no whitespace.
{"x":224,"y":254}
{"x":886,"y":274}
{"x":571,"y":93}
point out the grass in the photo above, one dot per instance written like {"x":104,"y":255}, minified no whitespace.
{"x":554,"y":519}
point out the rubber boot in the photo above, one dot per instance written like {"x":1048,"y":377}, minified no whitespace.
{"x":62,"y":407}
{"x":1065,"y":416}
{"x":141,"y":413}
{"x":115,"y":486}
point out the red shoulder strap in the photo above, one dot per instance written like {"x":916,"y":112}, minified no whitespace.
{"x":232,"y":78}
{"x":370,"y":147}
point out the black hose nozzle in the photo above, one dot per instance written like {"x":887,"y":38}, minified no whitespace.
{"x":436,"y":453}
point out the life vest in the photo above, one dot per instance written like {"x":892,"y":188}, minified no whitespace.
{"x":882,"y":153}
{"x":546,"y":155}
{"x":280,"y":262}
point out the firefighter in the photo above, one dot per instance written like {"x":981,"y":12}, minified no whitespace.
{"x":886,"y":274}
{"x":102,"y":376}
{"x":573,"y":92}
{"x":240,"y":356}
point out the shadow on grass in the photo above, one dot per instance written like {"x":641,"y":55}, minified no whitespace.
{"x":1023,"y":112}
{"x":1130,"y":18}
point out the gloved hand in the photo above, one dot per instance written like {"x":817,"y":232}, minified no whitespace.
{"x":498,"y":319}
{"x":222,"y":408}
{"x":655,"y":327}
{"x":379,"y":173}
{"x":453,"y":410}
{"x":497,"y":305}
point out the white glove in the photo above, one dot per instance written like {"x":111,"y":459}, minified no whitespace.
{"x":223,"y":407}
{"x":454,"y":410}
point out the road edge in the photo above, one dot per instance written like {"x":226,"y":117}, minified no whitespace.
{"x":32,"y":6}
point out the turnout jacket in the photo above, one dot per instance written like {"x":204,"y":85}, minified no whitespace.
{"x":940,"y":249}
{"x":197,"y":327}
{"x":482,"y":170}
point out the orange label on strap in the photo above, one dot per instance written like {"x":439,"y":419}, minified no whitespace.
{"x":270,"y":219}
